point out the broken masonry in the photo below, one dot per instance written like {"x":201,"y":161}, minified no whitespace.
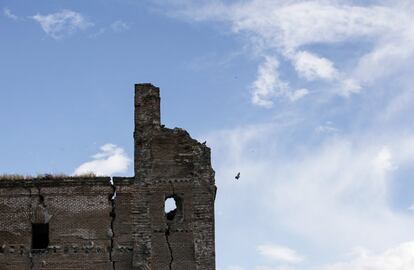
{"x":87,"y":222}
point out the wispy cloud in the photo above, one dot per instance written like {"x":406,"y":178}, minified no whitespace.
{"x":328,"y":187}
{"x":8,"y":13}
{"x":115,"y":27}
{"x":327,"y":127}
{"x":269,"y":85}
{"x":233,"y":267}
{"x":291,"y":29}
{"x":397,"y":258}
{"x":400,"y":257}
{"x":100,"y":32}
{"x":112,"y":159}
{"x":63,"y":23}
{"x":280,"y":253}
{"x":332,"y":195}
{"x":119,"y":26}
{"x":314,"y":67}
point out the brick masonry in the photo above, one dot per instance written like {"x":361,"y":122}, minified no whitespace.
{"x":119,"y":223}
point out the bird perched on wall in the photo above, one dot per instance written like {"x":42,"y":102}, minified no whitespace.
{"x":237,"y":176}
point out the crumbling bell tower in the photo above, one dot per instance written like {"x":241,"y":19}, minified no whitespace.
{"x":169,"y":164}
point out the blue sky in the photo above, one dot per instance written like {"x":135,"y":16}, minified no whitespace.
{"x":312,"y":101}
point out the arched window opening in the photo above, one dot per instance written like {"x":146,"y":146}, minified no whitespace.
{"x":40,"y":236}
{"x":170,"y":208}
{"x":173,"y":208}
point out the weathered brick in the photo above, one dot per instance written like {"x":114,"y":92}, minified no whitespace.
{"x":90,"y":230}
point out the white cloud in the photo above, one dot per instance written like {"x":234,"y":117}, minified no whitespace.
{"x":383,"y":160}
{"x":390,"y":54}
{"x":7,"y":12}
{"x":311,"y":66}
{"x":286,"y":28}
{"x":291,"y":24}
{"x":346,"y":184}
{"x":329,"y":196}
{"x":280,"y":253}
{"x":327,"y":127}
{"x":348,"y":87}
{"x":112,"y":159}
{"x":263,"y":267}
{"x":398,"y":258}
{"x":119,"y":26}
{"x":268,"y":85}
{"x":325,"y":194}
{"x":298,"y":94}
{"x":284,"y":267}
{"x":232,"y":267}
{"x":61,"y":24}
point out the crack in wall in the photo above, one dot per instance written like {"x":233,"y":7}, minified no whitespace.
{"x":31,"y":261}
{"x":139,"y":223}
{"x":113,"y":216}
{"x":172,"y":187}
{"x":167,"y":235}
{"x":41,"y":198}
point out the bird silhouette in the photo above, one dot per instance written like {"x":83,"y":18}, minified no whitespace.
{"x":237,"y":176}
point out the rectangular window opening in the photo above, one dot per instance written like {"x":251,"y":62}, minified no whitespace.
{"x":40,"y":236}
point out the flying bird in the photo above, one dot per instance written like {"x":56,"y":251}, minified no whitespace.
{"x":237,"y":176}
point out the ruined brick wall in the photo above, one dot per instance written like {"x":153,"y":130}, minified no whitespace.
{"x":173,"y":165}
{"x":123,"y":224}
{"x":98,"y":224}
{"x":78,"y":213}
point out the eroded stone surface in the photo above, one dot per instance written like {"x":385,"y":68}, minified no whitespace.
{"x":90,"y":228}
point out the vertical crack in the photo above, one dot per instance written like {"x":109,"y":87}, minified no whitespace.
{"x":172,"y":188}
{"x":31,"y":261}
{"x":113,"y":215}
{"x":167,"y":235}
{"x":41,"y":198}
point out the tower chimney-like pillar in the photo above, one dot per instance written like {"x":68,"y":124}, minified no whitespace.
{"x":147,"y":119}
{"x":147,"y":106}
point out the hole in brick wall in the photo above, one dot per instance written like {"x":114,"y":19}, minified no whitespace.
{"x":40,"y":235}
{"x":170,"y":208}
{"x":173,"y":207}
